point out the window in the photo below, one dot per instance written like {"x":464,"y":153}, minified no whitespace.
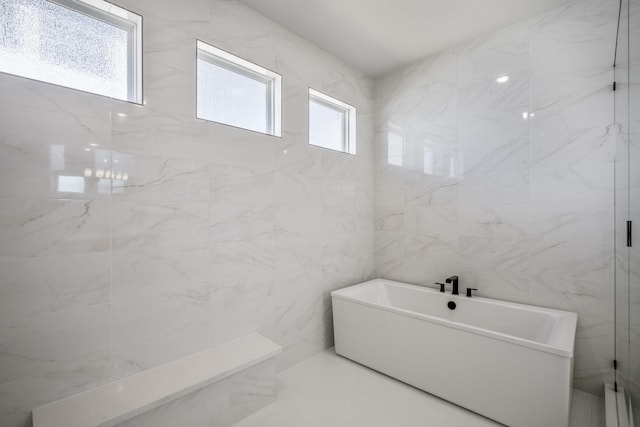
{"x":332,"y":123}
{"x":89,"y":45}
{"x":236,"y":92}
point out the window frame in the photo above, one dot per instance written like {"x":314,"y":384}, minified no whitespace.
{"x":348,"y":119}
{"x":272,"y":80}
{"x":123,"y":19}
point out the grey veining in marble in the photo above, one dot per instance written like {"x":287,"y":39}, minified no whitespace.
{"x":134,"y":235}
{"x":503,"y":148}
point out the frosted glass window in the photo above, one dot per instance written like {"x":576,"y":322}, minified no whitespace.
{"x":89,"y":45}
{"x":236,"y":92}
{"x":331,"y":123}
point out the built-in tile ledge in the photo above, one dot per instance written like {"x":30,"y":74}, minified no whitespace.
{"x":124,"y":399}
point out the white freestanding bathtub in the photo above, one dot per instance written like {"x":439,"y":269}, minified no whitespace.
{"x":509,"y":362}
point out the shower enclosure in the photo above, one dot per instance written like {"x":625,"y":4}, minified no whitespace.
{"x":627,"y":211}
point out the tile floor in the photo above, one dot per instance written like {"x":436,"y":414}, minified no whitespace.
{"x":328,"y":390}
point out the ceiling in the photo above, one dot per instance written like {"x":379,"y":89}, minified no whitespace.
{"x":377,"y":36}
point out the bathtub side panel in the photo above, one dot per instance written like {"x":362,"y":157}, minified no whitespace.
{"x":514,"y":385}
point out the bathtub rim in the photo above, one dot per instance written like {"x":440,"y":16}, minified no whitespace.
{"x":569,"y":318}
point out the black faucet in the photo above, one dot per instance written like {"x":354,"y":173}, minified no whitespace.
{"x":453,"y":280}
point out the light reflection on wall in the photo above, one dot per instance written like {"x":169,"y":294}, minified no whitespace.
{"x":107,"y":171}
{"x":395,"y":149}
{"x":420,"y":154}
{"x":56,"y":157}
{"x":122,"y":169}
{"x":70,"y":184}
{"x":428,"y":165}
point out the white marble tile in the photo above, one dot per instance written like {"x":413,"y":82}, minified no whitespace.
{"x":159,"y":227}
{"x":589,"y":184}
{"x":39,"y":227}
{"x":159,"y":179}
{"x":241,"y":185}
{"x":50,"y":153}
{"x":430,"y":190}
{"x":497,"y":54}
{"x":486,"y":98}
{"x":389,"y":218}
{"x":299,"y":308}
{"x":161,"y":249}
{"x":582,"y":33}
{"x":495,"y":253}
{"x":494,"y":126}
{"x":251,"y":390}
{"x":338,"y":219}
{"x":300,"y":160}
{"x":558,"y":222}
{"x":143,"y":131}
{"x":31,"y":287}
{"x":297,"y":349}
{"x":150,"y":331}
{"x":338,"y":165}
{"x":593,"y":300}
{"x":40,"y":344}
{"x":294,"y":221}
{"x":296,"y":255}
{"x":246,"y":33}
{"x":420,"y":247}
{"x":576,"y":134}
{"x":503,"y":284}
{"x":343,"y":260}
{"x":297,"y":190}
{"x":497,"y":221}
{"x":389,"y":253}
{"x":230,"y":223}
{"x":33,"y":94}
{"x":387,"y":182}
{"x":248,"y":254}
{"x":242,"y":288}
{"x":415,"y":270}
{"x":21,"y":396}
{"x":170,"y":86}
{"x":508,"y":188}
{"x":180,"y":275}
{"x":439,"y":221}
{"x":170,"y":40}
{"x":338,"y":192}
{"x":207,"y":406}
{"x":588,"y":260}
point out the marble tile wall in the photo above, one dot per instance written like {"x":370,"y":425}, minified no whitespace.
{"x":508,"y":185}
{"x":216,"y":233}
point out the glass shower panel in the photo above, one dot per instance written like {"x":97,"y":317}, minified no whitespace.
{"x":627,"y":201}
{"x":622,"y":197}
{"x":634,"y":187}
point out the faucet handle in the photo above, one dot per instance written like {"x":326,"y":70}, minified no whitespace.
{"x":441,"y":286}
{"x":469,"y":291}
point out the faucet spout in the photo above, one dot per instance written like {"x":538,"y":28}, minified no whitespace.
{"x":454,"y":281}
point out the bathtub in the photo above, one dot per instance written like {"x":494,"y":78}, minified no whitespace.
{"x":509,"y":362}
